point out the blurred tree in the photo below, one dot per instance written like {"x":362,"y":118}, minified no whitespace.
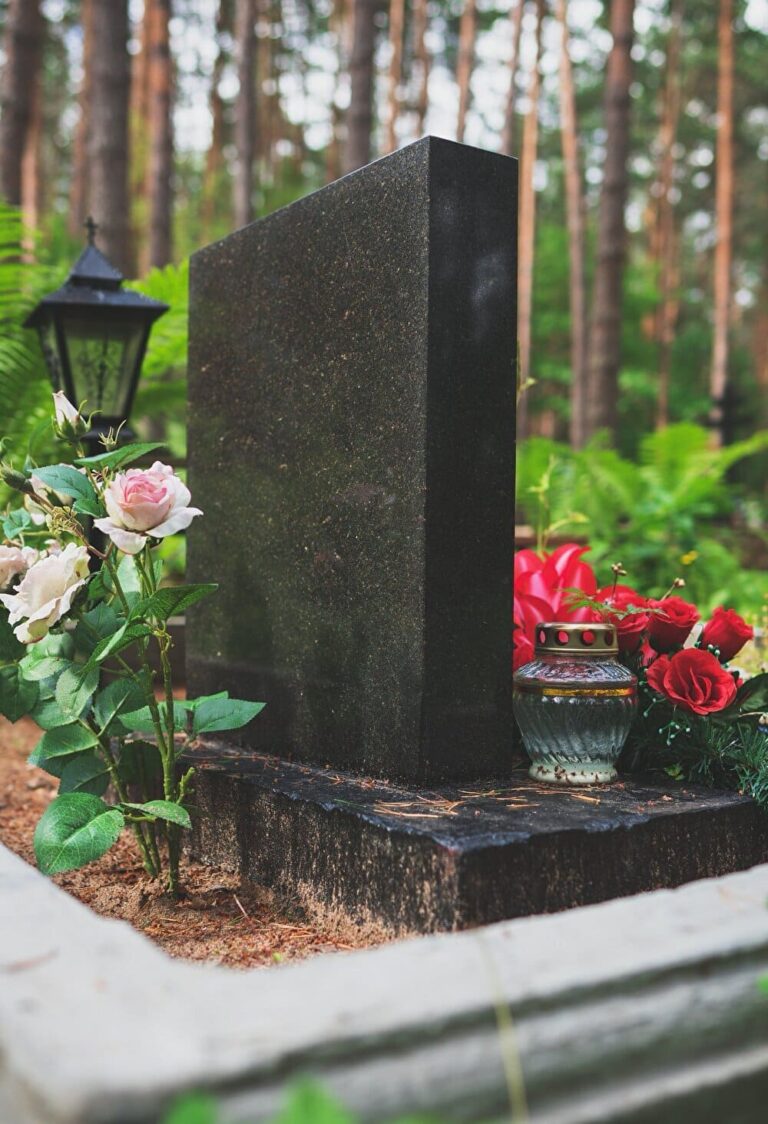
{"x":467,"y":38}
{"x":360,"y":112}
{"x":605,"y":333}
{"x":109,"y":64}
{"x":215,"y":169}
{"x":510,"y":111}
{"x":719,"y":382}
{"x":245,"y":111}
{"x":79,"y":205}
{"x":421,"y":58}
{"x":160,"y":163}
{"x":19,"y":93}
{"x":396,"y":32}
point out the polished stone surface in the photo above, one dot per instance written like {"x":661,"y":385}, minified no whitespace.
{"x":417,"y":860}
{"x":352,"y":417}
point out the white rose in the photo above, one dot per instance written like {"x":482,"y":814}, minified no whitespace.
{"x":14,"y":560}
{"x":64,"y":410}
{"x":46,"y":592}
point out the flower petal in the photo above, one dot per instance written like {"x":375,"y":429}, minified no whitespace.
{"x":127,"y":541}
{"x":178,"y":520}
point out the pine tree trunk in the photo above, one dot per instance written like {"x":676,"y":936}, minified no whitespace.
{"x":339,"y":26}
{"x":139,"y":117}
{"x":360,"y":112}
{"x":467,"y":36}
{"x":32,"y":177}
{"x":78,"y":192}
{"x":527,"y":227}
{"x":160,"y":163}
{"x":605,"y":334}
{"x":396,"y":30}
{"x":574,"y":207}
{"x":245,"y":111}
{"x":108,"y":141}
{"x":508,"y":132}
{"x":421,"y":58}
{"x":214,"y":159}
{"x":723,"y":220}
{"x":23,"y":42}
{"x":665,"y":245}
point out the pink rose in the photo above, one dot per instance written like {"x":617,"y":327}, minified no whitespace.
{"x":144,"y":503}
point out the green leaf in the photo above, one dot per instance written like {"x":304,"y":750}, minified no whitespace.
{"x":16,"y":523}
{"x":95,"y":625}
{"x":126,"y":635}
{"x":193,"y":1108}
{"x":61,"y":741}
{"x":140,"y":721}
{"x":164,"y":810}
{"x":170,"y":600}
{"x":17,"y":695}
{"x":11,"y":649}
{"x":75,"y":829}
{"x":223,"y":714}
{"x":67,"y":481}
{"x":48,"y":715}
{"x":308,"y":1103}
{"x":119,"y":457}
{"x":36,"y":668}
{"x":120,"y":695}
{"x":75,"y":687}
{"x":85,"y":773}
{"x":85,"y":506}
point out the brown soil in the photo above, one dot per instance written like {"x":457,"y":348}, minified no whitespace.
{"x":220,"y":918}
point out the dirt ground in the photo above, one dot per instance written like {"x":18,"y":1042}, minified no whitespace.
{"x":220,"y":918}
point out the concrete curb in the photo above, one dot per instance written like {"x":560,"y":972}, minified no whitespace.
{"x":637,"y":1010}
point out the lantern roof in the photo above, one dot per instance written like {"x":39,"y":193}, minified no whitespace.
{"x":93,"y":282}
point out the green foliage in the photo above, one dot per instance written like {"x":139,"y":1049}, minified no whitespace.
{"x":661,"y":517}
{"x":75,"y":829}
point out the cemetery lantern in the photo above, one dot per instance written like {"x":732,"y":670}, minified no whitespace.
{"x":94,"y":334}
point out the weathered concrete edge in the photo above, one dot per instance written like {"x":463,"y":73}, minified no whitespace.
{"x":632,"y":1010}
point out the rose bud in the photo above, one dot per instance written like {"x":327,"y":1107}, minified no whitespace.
{"x":69,"y":423}
{"x":728,"y":632}
{"x":630,"y":627}
{"x":671,"y":623}
{"x":693,"y":680}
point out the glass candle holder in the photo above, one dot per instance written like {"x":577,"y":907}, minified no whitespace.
{"x":574,"y":703}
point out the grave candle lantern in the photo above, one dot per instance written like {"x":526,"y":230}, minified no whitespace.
{"x":574,"y":704}
{"x":94,"y":334}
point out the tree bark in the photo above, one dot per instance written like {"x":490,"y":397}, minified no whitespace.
{"x":396,"y":30}
{"x":510,"y":116}
{"x":665,"y":247}
{"x":160,"y":163}
{"x":527,"y":227}
{"x":467,"y":36}
{"x":360,"y":112}
{"x":421,"y":58}
{"x":78,"y":193}
{"x":24,"y":26}
{"x":108,"y":142}
{"x":245,"y":110}
{"x":214,"y":159}
{"x":605,"y":334}
{"x":723,"y":220}
{"x":339,"y":26}
{"x":574,"y":208}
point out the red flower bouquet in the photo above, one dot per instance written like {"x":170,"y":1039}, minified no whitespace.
{"x":696,"y":716}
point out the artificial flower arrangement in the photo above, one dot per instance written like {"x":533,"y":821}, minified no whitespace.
{"x":74,"y":616}
{"x":697,"y":717}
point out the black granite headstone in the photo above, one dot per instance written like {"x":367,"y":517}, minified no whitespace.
{"x":352,"y":421}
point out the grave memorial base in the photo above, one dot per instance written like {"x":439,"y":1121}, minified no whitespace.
{"x":416,"y":860}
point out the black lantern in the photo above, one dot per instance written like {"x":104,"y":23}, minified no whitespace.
{"x":94,"y":334}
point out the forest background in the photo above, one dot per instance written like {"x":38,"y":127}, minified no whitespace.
{"x":642,"y":132}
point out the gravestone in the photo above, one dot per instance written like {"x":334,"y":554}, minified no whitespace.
{"x":352,"y":440}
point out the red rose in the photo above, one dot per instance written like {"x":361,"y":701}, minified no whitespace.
{"x":728,"y":632}
{"x":631,"y":627}
{"x":694,"y":680}
{"x":672,"y":624}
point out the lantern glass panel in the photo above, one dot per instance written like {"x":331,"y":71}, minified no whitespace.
{"x":103,"y":359}
{"x":48,"y":344}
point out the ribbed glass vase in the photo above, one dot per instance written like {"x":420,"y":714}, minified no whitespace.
{"x":574,"y":704}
